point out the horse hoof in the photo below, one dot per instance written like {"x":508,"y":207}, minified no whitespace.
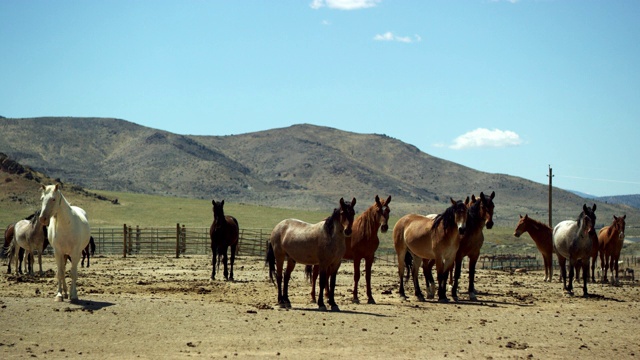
{"x":371,"y":301}
{"x":473,"y":297}
{"x":355,"y":301}
{"x":443,"y":300}
{"x":322,"y":308}
{"x":335,"y":308}
{"x":75,"y":301}
{"x":58,"y":298}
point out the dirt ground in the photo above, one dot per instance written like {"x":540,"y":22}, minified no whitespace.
{"x":162,"y":307}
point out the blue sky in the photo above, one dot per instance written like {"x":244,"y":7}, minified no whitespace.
{"x":499,"y":86}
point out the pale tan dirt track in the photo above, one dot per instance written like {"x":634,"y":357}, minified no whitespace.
{"x":164,"y":308}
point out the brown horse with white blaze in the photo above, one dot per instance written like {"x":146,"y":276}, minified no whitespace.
{"x":430,"y":237}
{"x":610,"y":240}
{"x":479,"y":215}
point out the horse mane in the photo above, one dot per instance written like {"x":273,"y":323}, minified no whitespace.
{"x":328,"y":222}
{"x":473,"y":215}
{"x":538,"y":223}
{"x":33,"y":218}
{"x":366,"y":223}
{"x":448,"y":216}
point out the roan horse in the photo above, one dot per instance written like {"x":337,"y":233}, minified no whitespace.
{"x":362,"y":244}
{"x":571,"y":240}
{"x":430,"y":237}
{"x":542,"y":235}
{"x":224,"y":233}
{"x":29,"y":235}
{"x":321,"y":244}
{"x":479,"y":215}
{"x":69,"y":233}
{"x":610,"y":240}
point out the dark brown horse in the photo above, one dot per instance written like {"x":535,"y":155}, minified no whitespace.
{"x":542,"y":235}
{"x":362,"y":244}
{"x":479,"y":215}
{"x":430,"y":237}
{"x":610,"y":240}
{"x":319,"y":244}
{"x":224,"y":233}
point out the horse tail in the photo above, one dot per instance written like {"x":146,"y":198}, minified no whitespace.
{"x":308,"y":273}
{"x":92,"y":243}
{"x":271,"y":260}
{"x":408,"y":265}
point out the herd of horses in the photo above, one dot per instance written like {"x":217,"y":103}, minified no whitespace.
{"x":442,"y":240}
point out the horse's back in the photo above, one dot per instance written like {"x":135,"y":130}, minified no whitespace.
{"x":413,"y":229}
{"x":299,"y":240}
{"x":567,"y":242}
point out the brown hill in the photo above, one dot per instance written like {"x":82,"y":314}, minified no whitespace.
{"x":302,"y":166}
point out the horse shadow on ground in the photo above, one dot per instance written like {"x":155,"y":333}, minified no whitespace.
{"x":347,"y":312}
{"x":92,"y":305}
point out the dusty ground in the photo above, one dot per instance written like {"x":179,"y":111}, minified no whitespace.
{"x":161,"y":307}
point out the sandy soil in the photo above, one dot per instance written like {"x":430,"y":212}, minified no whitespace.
{"x":162,"y":307}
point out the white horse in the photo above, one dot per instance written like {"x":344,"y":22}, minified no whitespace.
{"x":29,"y":235}
{"x":69,"y":233}
{"x":571,"y":241}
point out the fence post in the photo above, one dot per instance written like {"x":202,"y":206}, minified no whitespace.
{"x":129,"y":241}
{"x":137,"y":239}
{"x":177,"y":240}
{"x":124,"y":241}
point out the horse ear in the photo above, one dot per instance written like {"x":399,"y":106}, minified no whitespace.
{"x":378,"y":201}
{"x":58,"y":186}
{"x":520,"y":216}
{"x":222,"y":203}
{"x":388,"y":200}
{"x":624,"y":217}
{"x":353,"y":202}
{"x":584,"y":207}
{"x":213,"y":201}
{"x":341,"y":202}
{"x":43,"y":187}
{"x":473,"y":198}
{"x":594,"y":207}
{"x":466,"y":201}
{"x":493,"y":194}
{"x":453,"y":202}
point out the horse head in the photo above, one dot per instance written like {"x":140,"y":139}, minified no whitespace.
{"x":382,"y":211}
{"x":50,"y":198}
{"x":591,"y":213}
{"x":460,"y":214}
{"x":486,"y":208}
{"x":521,"y":228}
{"x":585,"y":225}
{"x":619,"y":224}
{"x":347,"y":213}
{"x":218,"y":213}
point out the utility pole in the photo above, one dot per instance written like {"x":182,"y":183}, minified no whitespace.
{"x":550,"y":195}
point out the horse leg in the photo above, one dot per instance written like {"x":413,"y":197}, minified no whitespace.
{"x":572,"y":264}
{"x":323,"y":285}
{"x":315,"y":270}
{"x":427,"y":266}
{"x":368,"y":263}
{"x":233,"y":259}
{"x":213,"y":262}
{"x":332,"y":289}
{"x":356,"y":279}
{"x":472,"y":276}
{"x":607,"y":264}
{"x":401,"y":265}
{"x":456,"y":279}
{"x":291,"y":264}
{"x":593,"y":269}
{"x":415,"y":269}
{"x":73,"y":290}
{"x":40,"y":262}
{"x":443,"y":274}
{"x":61,"y":261}
{"x":585,"y":270}
{"x":548,"y":268}
{"x":279,"y":266}
{"x":224,"y":263}
{"x":562,"y":262}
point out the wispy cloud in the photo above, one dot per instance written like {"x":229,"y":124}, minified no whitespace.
{"x":483,"y":138}
{"x":389,"y":36}
{"x":344,"y":4}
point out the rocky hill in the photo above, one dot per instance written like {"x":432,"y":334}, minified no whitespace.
{"x":302,"y":166}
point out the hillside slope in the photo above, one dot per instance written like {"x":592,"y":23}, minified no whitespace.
{"x":302,"y":166}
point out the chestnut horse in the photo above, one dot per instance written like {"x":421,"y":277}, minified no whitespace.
{"x":479,"y":215}
{"x":542,"y":235}
{"x":430,"y":237}
{"x":321,"y":244}
{"x":571,"y":240}
{"x":362,"y":244}
{"x":611,"y":239}
{"x":224,"y":233}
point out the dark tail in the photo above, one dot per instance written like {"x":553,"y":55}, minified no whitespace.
{"x":408,"y":265}
{"x":92,"y":244}
{"x":271,"y":260}
{"x":308,"y":272}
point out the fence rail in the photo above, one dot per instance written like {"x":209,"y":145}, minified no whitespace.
{"x":181,"y":240}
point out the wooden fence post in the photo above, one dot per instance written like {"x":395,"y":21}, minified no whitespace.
{"x":124,"y":241}
{"x":177,"y":240}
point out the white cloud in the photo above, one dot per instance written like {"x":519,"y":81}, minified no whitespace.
{"x":389,"y":36}
{"x":344,"y":4}
{"x":486,"y":138}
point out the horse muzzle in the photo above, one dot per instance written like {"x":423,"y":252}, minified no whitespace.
{"x":490,"y":224}
{"x":462,"y":229}
{"x":384,"y":228}
{"x":347,"y":232}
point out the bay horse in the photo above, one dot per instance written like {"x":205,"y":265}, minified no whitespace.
{"x":430,"y":237}
{"x":29,"y":235}
{"x":479,"y":215}
{"x":610,"y":240}
{"x":224,"y":233}
{"x":571,"y":240}
{"x":321,"y":244}
{"x":88,"y":251}
{"x":362,"y":244}
{"x":542,"y":235}
{"x":69,"y":233}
